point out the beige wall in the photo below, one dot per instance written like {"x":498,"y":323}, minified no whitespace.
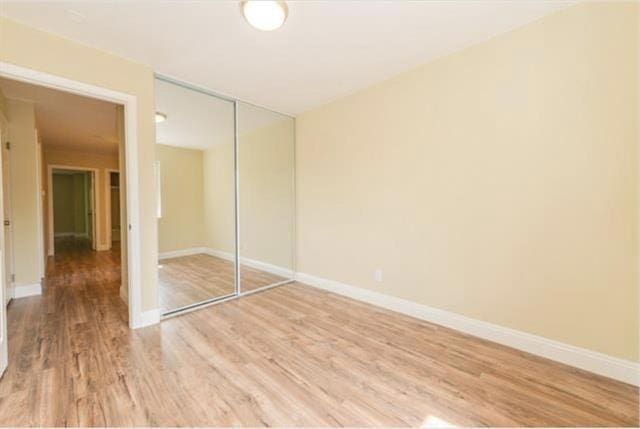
{"x":182,"y":222}
{"x":198,"y":196}
{"x":24,"y":191}
{"x":266,"y":160}
{"x":38,"y":50}
{"x":219,"y":201}
{"x":77,"y":159}
{"x":3,"y":104}
{"x":500,"y":182}
{"x":266,"y":192}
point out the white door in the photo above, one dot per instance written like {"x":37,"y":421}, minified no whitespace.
{"x":3,"y":277}
{"x":8,"y":272}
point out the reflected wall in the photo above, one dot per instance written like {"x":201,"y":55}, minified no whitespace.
{"x":196,"y":193}
{"x":266,"y":196}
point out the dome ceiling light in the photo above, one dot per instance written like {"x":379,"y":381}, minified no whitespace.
{"x":160,"y":117}
{"x":265,"y":15}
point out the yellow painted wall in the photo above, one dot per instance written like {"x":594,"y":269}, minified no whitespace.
{"x":24,"y":191}
{"x":266,"y":160}
{"x":499,"y":182}
{"x":45,"y":52}
{"x":219,"y":201}
{"x":182,"y":222}
{"x":3,"y":104}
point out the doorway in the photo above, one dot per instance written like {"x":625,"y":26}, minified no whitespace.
{"x":72,"y":208}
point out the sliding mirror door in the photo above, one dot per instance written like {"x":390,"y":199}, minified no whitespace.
{"x":266,"y":197}
{"x":195,"y":171}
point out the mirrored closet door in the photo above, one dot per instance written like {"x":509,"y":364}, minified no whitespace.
{"x":266,"y":203}
{"x":195,"y":172}
{"x":225,"y":192}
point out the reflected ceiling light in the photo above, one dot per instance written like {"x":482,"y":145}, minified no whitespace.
{"x":265,"y":15}
{"x":160,"y":117}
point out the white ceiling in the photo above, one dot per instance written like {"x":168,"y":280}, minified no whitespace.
{"x":68,"y":121}
{"x":200,"y":121}
{"x":325,"y":50}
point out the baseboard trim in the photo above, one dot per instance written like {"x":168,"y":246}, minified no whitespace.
{"x":147,"y":318}
{"x":181,"y":252}
{"x":598,"y":363}
{"x":23,"y":291}
{"x":103,"y":247}
{"x":253,"y":263}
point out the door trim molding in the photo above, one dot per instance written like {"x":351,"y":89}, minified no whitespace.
{"x":130,"y":104}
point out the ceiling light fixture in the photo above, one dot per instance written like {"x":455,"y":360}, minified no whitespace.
{"x":265,"y":15}
{"x":160,"y":117}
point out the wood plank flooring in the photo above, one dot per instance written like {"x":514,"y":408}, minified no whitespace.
{"x":290,"y":356}
{"x":187,"y":280}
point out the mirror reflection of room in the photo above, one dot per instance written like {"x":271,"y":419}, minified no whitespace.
{"x":196,"y":196}
{"x":266,"y":197}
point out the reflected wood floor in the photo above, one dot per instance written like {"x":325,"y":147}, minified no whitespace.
{"x":191,"y":279}
{"x":290,"y":356}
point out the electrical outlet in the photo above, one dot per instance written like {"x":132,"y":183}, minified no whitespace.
{"x":377,"y":275}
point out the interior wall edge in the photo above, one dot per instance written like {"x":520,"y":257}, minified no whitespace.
{"x":595,"y":362}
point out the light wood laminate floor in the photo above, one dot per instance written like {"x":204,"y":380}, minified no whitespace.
{"x":290,"y":356}
{"x":187,"y":280}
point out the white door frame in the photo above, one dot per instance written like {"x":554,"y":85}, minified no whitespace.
{"x":107,"y":190}
{"x":4,"y":340}
{"x":9,"y":289}
{"x":39,"y":209}
{"x":130,"y":103}
{"x":96,"y":203}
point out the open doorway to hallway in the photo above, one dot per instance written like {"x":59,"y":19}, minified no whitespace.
{"x":62,"y":199}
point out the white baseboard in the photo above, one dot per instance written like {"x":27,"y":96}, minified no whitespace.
{"x":147,"y":318}
{"x":253,"y":263}
{"x":599,"y":363}
{"x":103,"y":247}
{"x":22,"y":291}
{"x":181,"y":252}
{"x":264,"y":266}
